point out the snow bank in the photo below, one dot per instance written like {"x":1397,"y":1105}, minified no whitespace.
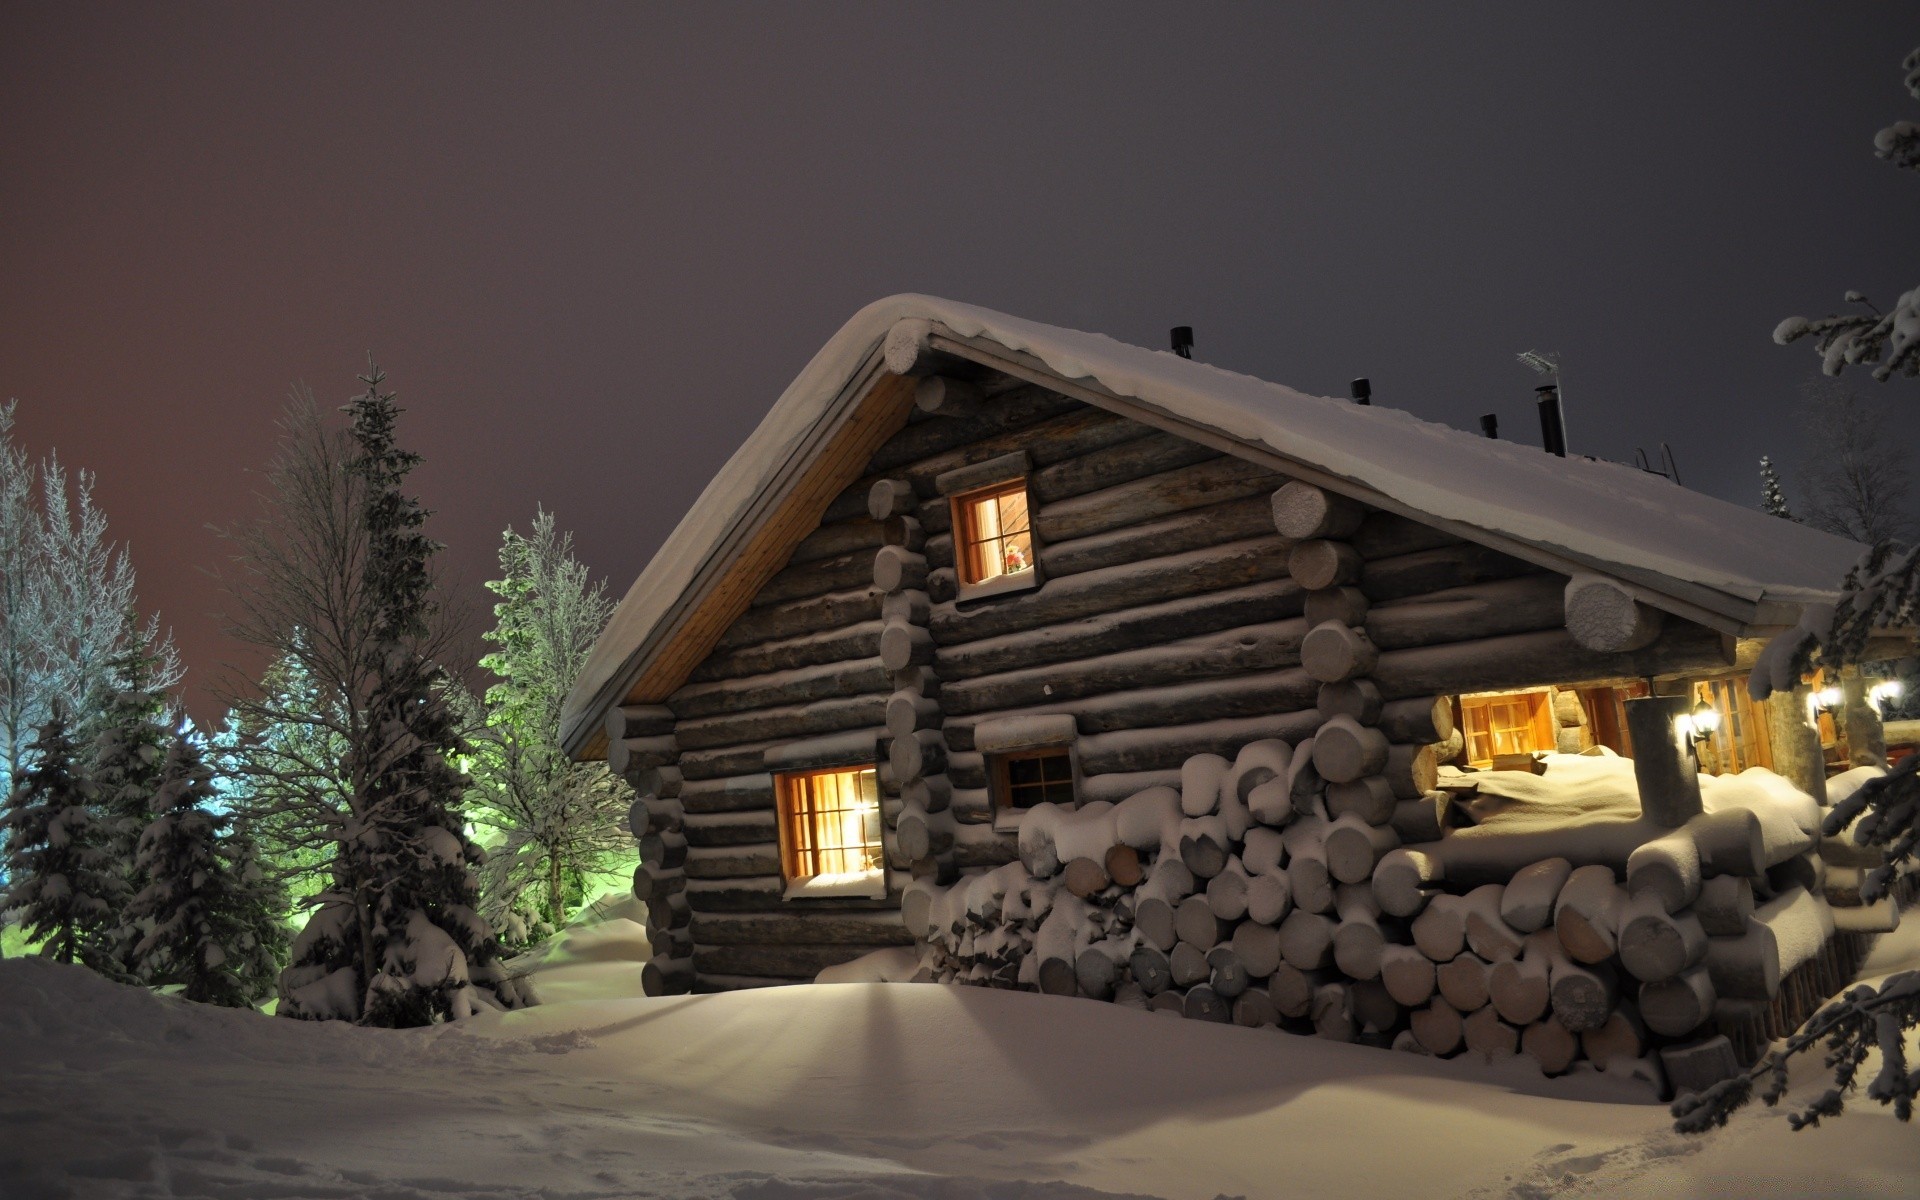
{"x":894,"y":1093}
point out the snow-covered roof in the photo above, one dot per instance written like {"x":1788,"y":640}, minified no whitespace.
{"x":1681,"y":550}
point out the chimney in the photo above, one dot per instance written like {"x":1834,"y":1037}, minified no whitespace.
{"x":1553,"y":434}
{"x":1183,"y":340}
{"x":1490,"y":425}
{"x":1362,"y":389}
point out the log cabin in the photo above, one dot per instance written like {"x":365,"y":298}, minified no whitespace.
{"x":1062,"y":663}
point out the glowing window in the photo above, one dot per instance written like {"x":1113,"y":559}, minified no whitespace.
{"x":991,"y":533}
{"x":1033,"y":777}
{"x":1507,"y":723}
{"x":830,"y":828}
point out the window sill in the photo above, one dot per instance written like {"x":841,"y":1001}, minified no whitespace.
{"x":999,"y":585}
{"x":870,"y":885}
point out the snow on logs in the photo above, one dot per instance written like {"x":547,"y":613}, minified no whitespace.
{"x":1603,"y":615}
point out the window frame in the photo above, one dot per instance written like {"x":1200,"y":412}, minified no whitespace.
{"x":1541,"y":722}
{"x":965,"y":539}
{"x":786,"y":807}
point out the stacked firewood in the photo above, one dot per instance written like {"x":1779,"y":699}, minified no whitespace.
{"x":1241,"y":896}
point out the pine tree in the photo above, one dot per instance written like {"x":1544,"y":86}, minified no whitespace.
{"x":58,"y":873}
{"x":214,"y":923}
{"x":1772,"y":499}
{"x":397,"y":940}
{"x":129,"y":752}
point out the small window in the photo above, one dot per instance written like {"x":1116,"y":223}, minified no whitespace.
{"x":830,"y":832}
{"x":1503,"y":723}
{"x":1032,"y":777}
{"x":992,"y":536}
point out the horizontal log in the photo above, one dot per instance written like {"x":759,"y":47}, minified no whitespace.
{"x":1603,"y":615}
{"x":638,"y":720}
{"x":857,"y":641}
{"x":1548,"y":656}
{"x":898,"y":569}
{"x":1209,"y":526}
{"x":848,"y":537}
{"x":733,"y":862}
{"x":1211,"y":482}
{"x":631,"y":755}
{"x":1230,"y":652}
{"x":807,"y":580}
{"x":947,"y":396}
{"x":1167,"y":747}
{"x":828,"y":928}
{"x":1420,"y":720}
{"x":851,"y":749}
{"x":1127,"y":629}
{"x":887,"y":498}
{"x":1265,"y":695}
{"x":922,"y":449}
{"x":805,"y":685}
{"x":708,"y":985}
{"x":1321,"y":563}
{"x":1064,"y":434}
{"x":1388,"y":535}
{"x":1425,"y":571}
{"x":730,"y":794}
{"x":796,"y":960}
{"x":1519,"y":605}
{"x":765,"y":894}
{"x":1302,"y":510}
{"x":799,"y":618}
{"x":817,"y":719}
{"x":1114,"y":588}
{"x":998,"y":470}
{"x":1138,"y":458}
{"x":730,"y":828}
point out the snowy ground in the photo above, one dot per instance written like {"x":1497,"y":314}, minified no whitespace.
{"x":867,"y":1091}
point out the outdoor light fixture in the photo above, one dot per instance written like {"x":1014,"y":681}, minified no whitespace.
{"x":1705,"y":720}
{"x":1887,"y":691}
{"x":1828,"y":698}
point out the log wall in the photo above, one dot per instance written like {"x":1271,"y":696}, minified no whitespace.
{"x":1188,"y":603}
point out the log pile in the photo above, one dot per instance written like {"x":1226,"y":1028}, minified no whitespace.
{"x":1236,"y":895}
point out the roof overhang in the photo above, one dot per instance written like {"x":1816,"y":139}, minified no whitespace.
{"x":818,"y":437}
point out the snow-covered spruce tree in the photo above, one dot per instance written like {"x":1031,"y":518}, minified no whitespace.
{"x":1772,"y":499}
{"x":214,"y":924}
{"x":1890,"y":340}
{"x":58,"y":873}
{"x":397,"y":941}
{"x":129,"y":750}
{"x":559,"y":820}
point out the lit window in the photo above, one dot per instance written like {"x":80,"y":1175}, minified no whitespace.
{"x":1507,"y":723}
{"x":830,"y":832}
{"x":1033,"y":777}
{"x":992,"y":535}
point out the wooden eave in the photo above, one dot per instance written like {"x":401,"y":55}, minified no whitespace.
{"x":833,"y":453}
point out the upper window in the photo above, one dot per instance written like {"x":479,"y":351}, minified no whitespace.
{"x":992,"y":535}
{"x":830,"y":832}
{"x":1029,"y":777}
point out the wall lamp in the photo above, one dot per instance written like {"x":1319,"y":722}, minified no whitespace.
{"x":1700,"y":724}
{"x":1887,"y":691}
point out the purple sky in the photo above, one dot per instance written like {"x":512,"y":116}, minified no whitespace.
{"x":591,"y":244}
